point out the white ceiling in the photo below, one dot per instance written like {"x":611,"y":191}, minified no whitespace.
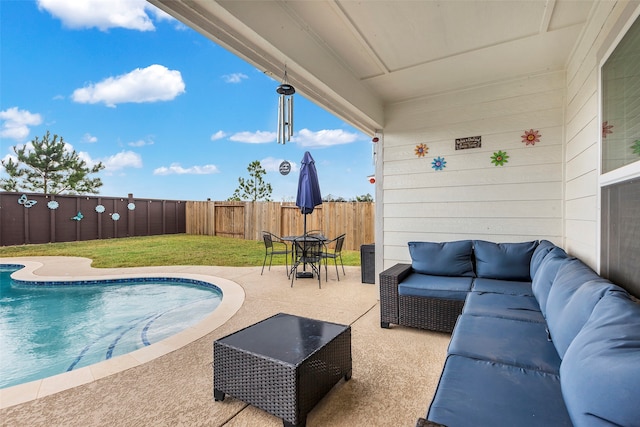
{"x":355,"y":57}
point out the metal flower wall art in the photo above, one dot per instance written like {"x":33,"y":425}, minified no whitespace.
{"x":438,"y":163}
{"x":421,"y":150}
{"x":606,"y":129}
{"x":531,"y":137}
{"x":499,"y":158}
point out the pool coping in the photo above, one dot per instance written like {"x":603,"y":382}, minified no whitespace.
{"x":233,"y":296}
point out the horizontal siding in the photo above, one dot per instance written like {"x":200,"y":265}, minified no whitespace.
{"x":472,"y":198}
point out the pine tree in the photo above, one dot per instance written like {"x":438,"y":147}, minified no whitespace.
{"x":47,"y":166}
{"x":254,"y":188}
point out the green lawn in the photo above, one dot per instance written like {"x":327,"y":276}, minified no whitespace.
{"x":172,"y":249}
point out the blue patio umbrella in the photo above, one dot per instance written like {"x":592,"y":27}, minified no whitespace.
{"x":308,"y":188}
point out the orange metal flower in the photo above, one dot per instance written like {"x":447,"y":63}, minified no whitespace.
{"x":421,"y":150}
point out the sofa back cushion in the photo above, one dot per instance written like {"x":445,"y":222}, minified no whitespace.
{"x":574,"y":293}
{"x":504,"y":261}
{"x":600,"y":373}
{"x":545,"y":275}
{"x":541,"y":251}
{"x":442,"y":259}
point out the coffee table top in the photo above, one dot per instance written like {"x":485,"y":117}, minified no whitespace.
{"x":284,"y":337}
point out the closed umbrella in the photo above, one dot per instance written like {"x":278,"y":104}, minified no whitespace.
{"x":308,"y":194}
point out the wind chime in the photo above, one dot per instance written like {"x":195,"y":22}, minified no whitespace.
{"x":285,"y":110}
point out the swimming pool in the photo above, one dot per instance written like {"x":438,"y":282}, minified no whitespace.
{"x":54,"y":327}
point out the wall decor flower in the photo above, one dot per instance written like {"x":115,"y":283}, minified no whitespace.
{"x":531,"y":137}
{"x":131,"y":206}
{"x":636,"y":146}
{"x":499,"y":158}
{"x":421,"y":150}
{"x":53,"y":205}
{"x":115,"y":216}
{"x":606,"y":129}
{"x":438,"y":163}
{"x":100,"y":209}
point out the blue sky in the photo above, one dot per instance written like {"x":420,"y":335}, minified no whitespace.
{"x":169,"y":113}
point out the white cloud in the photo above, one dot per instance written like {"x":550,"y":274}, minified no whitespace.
{"x":324,"y":138}
{"x":121,"y":160}
{"x":141,"y":143}
{"x":89,"y":138}
{"x":271,"y":164}
{"x":15,"y":123}
{"x":218,"y":135}
{"x":234,"y":78}
{"x":258,"y":137}
{"x":151,"y":84}
{"x":176,"y":169}
{"x":102,"y":14}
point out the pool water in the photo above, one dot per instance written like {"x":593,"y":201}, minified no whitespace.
{"x":61,"y":326}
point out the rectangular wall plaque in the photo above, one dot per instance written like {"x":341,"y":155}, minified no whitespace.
{"x":468,"y":142}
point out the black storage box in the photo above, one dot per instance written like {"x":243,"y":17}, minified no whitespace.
{"x":368,"y":263}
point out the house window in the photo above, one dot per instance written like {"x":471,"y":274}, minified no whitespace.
{"x":621,"y":103}
{"x":620,"y":163}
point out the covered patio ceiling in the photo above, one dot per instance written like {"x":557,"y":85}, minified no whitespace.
{"x":356,"y":57}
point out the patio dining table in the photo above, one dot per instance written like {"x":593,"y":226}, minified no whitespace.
{"x":294,"y":252}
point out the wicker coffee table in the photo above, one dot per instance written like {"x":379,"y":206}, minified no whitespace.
{"x":284,"y":364}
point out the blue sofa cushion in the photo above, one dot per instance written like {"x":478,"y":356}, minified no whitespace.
{"x":543,"y":248}
{"x":513,"y":342}
{"x":545,"y":275}
{"x":443,"y":287}
{"x":519,"y":307}
{"x":442,"y":259}
{"x":575,"y":291}
{"x":600,"y":373}
{"x":506,"y":261}
{"x":483,"y":393}
{"x":509,"y":287}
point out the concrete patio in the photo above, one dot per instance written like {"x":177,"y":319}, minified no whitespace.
{"x":395,"y":371}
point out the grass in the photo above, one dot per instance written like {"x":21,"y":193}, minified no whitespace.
{"x":172,"y":249}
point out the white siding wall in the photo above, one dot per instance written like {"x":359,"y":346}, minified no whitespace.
{"x":471,"y":198}
{"x":583,"y":128}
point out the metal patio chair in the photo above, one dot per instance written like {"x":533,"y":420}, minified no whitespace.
{"x":274,"y":245}
{"x":335,"y":254}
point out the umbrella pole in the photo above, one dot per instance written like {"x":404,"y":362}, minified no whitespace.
{"x":304,"y":274}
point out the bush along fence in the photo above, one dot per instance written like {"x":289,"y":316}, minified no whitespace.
{"x":37,"y":218}
{"x":247,"y":220}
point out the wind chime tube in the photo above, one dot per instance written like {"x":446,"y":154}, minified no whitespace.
{"x":283,"y":115}
{"x":290,"y":117}
{"x":279,"y":119}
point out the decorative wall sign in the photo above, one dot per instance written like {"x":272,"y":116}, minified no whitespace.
{"x":26,"y":202}
{"x":499,"y":158}
{"x":285,"y":168}
{"x":53,"y":205}
{"x":100,"y":209}
{"x":131,"y":206}
{"x":421,"y":150}
{"x":468,"y":142}
{"x":78,"y":217}
{"x":531,"y":137}
{"x":636,"y":146}
{"x":606,"y":129}
{"x":438,"y":163}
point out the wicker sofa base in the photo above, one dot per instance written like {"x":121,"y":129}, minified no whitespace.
{"x":434,"y":314}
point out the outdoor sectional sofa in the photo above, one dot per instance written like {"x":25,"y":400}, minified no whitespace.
{"x":538,"y":338}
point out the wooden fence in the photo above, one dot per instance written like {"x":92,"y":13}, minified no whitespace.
{"x":246,"y":220}
{"x":35,"y":218}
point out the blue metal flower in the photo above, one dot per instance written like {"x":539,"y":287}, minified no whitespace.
{"x":438,"y":163}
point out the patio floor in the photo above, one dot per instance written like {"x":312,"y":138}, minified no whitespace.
{"x":395,"y":371}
